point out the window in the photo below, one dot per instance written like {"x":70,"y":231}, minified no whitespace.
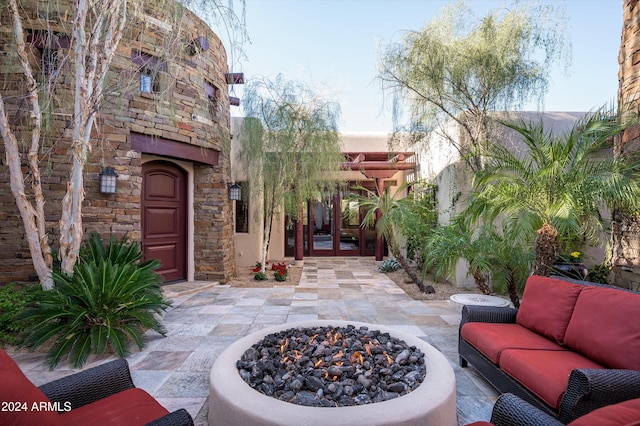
{"x":150,"y":68}
{"x":242,"y":212}
{"x":48,"y":44}
{"x":213,"y":94}
{"x":147,"y":81}
{"x":48,"y":61}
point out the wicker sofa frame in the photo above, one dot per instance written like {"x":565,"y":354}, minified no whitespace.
{"x":587,"y":389}
{"x":99,"y":382}
{"x":509,"y":410}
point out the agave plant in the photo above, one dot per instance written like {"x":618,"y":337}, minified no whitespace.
{"x":106,"y":305}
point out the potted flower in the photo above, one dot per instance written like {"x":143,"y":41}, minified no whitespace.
{"x":258,"y":274}
{"x":570,"y":265}
{"x":280,"y":271}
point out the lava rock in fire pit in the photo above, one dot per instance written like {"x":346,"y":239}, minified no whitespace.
{"x":332,"y":366}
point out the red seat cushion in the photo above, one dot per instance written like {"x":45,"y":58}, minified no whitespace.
{"x":23,"y":402}
{"x":547,"y":305}
{"x":131,"y":407}
{"x":545,"y":373}
{"x":492,"y":339}
{"x":625,"y":413}
{"x":604,"y":327}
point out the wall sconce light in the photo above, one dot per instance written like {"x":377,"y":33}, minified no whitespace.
{"x":235,"y":192}
{"x":108,"y":178}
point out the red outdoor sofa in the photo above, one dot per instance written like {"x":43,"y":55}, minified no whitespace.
{"x":103,"y":395}
{"x":572,"y":346}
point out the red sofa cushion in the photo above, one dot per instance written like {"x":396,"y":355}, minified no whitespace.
{"x":547,"y":304}
{"x":131,"y":407}
{"x":625,"y":413}
{"x":604,"y":327}
{"x":545,"y":373}
{"x":493,"y":338}
{"x":23,"y":399}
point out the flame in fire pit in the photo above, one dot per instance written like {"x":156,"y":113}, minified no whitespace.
{"x":348,"y":366}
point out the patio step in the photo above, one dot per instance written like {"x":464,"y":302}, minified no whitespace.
{"x":187,"y":287}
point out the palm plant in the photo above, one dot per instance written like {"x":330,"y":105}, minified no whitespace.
{"x":117,"y":251}
{"x":385,"y":213}
{"x":511,"y":262}
{"x":555,"y":190}
{"x":109,"y":302}
{"x":450,"y":243}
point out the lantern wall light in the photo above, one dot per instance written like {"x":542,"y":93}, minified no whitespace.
{"x":235,"y":192}
{"x":108,"y":179}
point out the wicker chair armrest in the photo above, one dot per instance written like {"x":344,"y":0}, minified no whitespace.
{"x":493,"y":314}
{"x":90,"y":385}
{"x":510,"y":410}
{"x":589,"y":389}
{"x":178,"y":418}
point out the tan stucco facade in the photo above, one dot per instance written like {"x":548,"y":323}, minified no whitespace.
{"x":248,"y":245}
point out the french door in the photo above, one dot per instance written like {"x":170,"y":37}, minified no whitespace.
{"x":334,"y":227}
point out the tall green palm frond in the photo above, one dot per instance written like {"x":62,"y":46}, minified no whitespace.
{"x":450,"y":243}
{"x":558,"y":181}
{"x":386,"y":212}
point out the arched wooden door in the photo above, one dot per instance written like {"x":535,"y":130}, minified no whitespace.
{"x":164,"y":218}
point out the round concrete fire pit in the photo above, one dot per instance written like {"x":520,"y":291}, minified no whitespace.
{"x":233,"y":402}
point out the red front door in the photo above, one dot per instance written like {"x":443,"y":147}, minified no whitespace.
{"x":164,"y":226}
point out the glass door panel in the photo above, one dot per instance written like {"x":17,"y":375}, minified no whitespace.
{"x":290,"y":233}
{"x":350,"y":231}
{"x":321,"y":215}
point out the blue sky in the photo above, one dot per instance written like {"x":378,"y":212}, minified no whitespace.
{"x":332,"y":46}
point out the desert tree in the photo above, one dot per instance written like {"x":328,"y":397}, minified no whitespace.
{"x":92,"y":32}
{"x":290,"y":146}
{"x":459,"y":68}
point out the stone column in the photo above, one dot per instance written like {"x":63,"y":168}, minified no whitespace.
{"x":625,"y":259}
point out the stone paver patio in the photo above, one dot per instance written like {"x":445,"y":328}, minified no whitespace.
{"x":175,"y":369}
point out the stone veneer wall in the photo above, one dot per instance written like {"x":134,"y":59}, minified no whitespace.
{"x":626,"y":228}
{"x":180,"y":113}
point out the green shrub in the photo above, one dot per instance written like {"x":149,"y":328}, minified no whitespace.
{"x":599,"y":273}
{"x":260,"y":276}
{"x":108,"y":303}
{"x":422,"y":220}
{"x":12,"y":302}
{"x":389,"y":265}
